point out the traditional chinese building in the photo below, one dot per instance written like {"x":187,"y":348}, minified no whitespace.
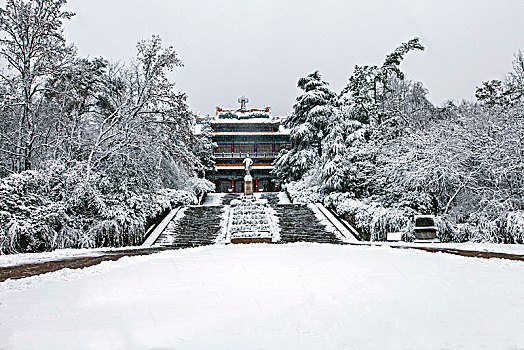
{"x":241,"y":133}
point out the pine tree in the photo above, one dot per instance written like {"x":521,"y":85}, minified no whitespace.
{"x":313,"y":112}
{"x":370,"y":86}
{"x":341,"y":145}
{"x":204,"y":148}
{"x":505,"y":93}
{"x":312,"y":118}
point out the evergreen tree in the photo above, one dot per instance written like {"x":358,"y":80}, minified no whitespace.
{"x":312,"y":118}
{"x":313,"y":113}
{"x":341,"y":145}
{"x":204,"y":148}
{"x":370,"y":86}
{"x":505,"y":93}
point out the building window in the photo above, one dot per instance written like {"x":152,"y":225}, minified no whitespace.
{"x":245,"y":148}
{"x":224,"y":148}
{"x":264,"y":148}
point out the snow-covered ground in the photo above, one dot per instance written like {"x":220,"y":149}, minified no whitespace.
{"x":295,"y":296}
{"x":59,"y":254}
{"x":517,"y":249}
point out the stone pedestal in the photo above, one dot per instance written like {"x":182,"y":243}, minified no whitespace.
{"x":248,"y":185}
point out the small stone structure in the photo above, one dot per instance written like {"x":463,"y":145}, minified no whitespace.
{"x":425,"y":228}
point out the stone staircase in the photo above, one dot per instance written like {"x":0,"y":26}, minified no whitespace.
{"x":298,"y":223}
{"x":199,"y":226}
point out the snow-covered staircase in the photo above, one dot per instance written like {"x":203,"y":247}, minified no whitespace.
{"x":195,"y":226}
{"x":199,"y":225}
{"x":298,"y":223}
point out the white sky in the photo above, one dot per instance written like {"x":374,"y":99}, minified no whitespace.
{"x":261,"y":47}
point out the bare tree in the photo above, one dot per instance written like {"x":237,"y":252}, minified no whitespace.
{"x":142,"y":124}
{"x":32,"y":46}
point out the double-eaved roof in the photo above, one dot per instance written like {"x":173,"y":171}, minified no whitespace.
{"x":251,"y":116}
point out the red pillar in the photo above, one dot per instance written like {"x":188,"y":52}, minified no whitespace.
{"x":256,"y":184}
{"x":233,"y":185}
{"x":275,"y":187}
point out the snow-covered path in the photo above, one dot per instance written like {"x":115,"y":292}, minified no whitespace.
{"x":296,"y":296}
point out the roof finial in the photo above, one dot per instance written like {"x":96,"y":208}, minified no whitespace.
{"x":243,"y":100}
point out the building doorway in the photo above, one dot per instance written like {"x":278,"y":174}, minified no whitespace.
{"x":264,"y":186}
{"x":239,"y":186}
{"x":224,"y":186}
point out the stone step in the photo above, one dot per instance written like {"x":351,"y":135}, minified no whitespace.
{"x":201,"y":225}
{"x":298,"y":223}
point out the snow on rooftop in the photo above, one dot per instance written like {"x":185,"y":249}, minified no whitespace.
{"x":242,"y":121}
{"x":244,"y":113}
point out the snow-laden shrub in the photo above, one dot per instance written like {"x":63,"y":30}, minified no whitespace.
{"x":408,"y":235}
{"x":371,"y":219}
{"x":47,"y":227}
{"x":56,"y":208}
{"x":445,"y":230}
{"x":389,"y":220}
{"x":488,"y":231}
{"x":200,"y":187}
{"x":356,"y":212}
{"x":299,"y":192}
{"x":514,"y":227}
{"x":342,"y":203}
{"x":177,"y":197}
{"x":448,"y":231}
{"x":124,"y":224}
{"x":306,"y":190}
{"x":507,"y":228}
{"x":465,"y":232}
{"x":122,"y":230}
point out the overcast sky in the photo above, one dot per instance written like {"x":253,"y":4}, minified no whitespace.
{"x":261,"y":47}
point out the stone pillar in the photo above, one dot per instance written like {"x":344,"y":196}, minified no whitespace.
{"x":248,"y":185}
